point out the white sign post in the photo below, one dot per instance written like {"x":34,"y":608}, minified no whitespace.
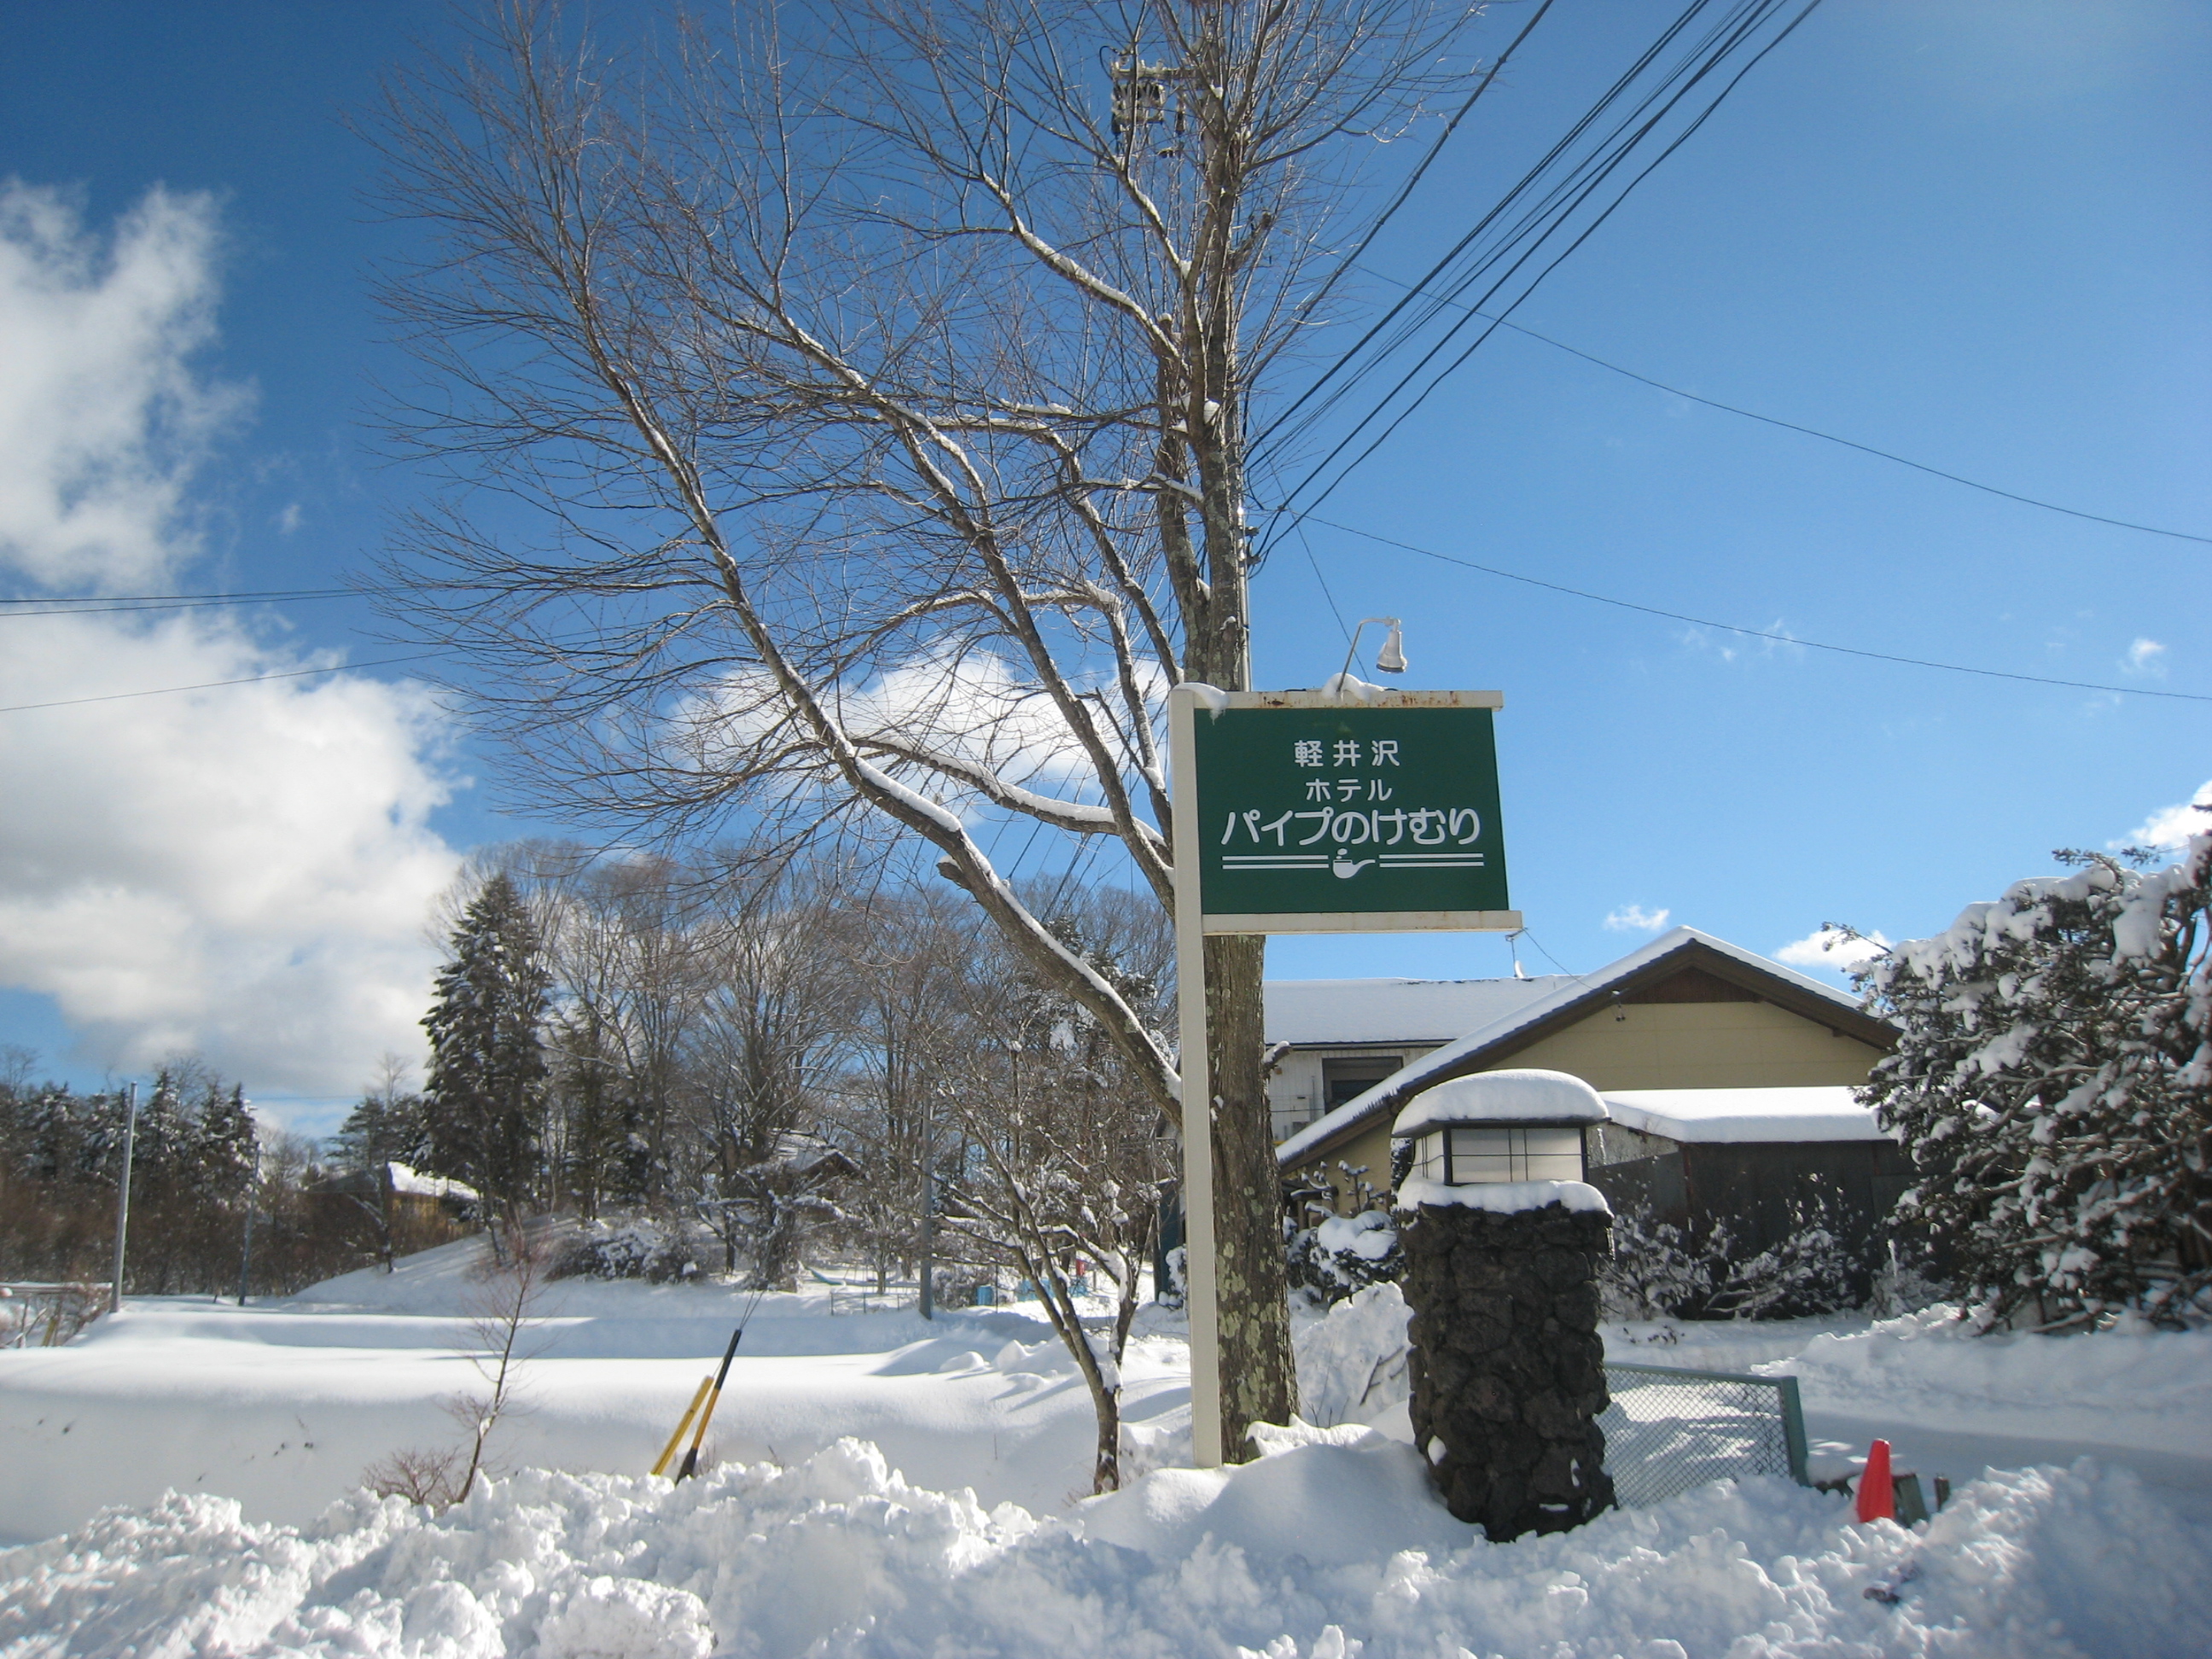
{"x":1388,"y":822}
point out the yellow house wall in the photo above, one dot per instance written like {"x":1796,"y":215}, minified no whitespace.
{"x":1657,"y":1045}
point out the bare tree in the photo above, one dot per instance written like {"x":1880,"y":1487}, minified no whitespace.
{"x":909,"y":964}
{"x":500,"y":1315}
{"x":769,"y":1031}
{"x":1066,"y":1160}
{"x":631,"y":980}
{"x":1047,"y":1158}
{"x":884,"y":397}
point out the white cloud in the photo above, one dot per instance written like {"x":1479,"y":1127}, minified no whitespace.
{"x":2143,"y":657}
{"x":2170,"y":826}
{"x":102,"y":419}
{"x":243,"y":871}
{"x":1635,"y":918}
{"x":1831,"y":947}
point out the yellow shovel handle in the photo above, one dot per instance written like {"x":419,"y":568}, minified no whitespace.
{"x":677,"y":1439}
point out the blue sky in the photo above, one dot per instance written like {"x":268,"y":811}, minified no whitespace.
{"x":1971,"y":234}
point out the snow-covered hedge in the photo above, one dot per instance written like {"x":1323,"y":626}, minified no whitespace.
{"x":636,"y":1248}
{"x":1660,"y":1270}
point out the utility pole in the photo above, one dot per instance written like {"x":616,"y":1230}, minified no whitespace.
{"x":928,"y":1237}
{"x":123,"y":1197}
{"x":245,"y":1256}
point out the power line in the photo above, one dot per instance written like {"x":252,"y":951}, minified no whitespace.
{"x":132,"y":610}
{"x":1520,"y":187}
{"x":211,"y":685}
{"x":1754,"y":633}
{"x":1739,"y":34}
{"x":1868,"y":449}
{"x":271,"y":596}
{"x":1414,"y":178}
{"x":1848,"y":443}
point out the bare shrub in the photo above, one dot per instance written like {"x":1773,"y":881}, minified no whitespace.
{"x":511,"y":1275}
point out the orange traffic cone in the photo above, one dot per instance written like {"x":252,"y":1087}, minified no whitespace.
{"x":1877,"y":1493}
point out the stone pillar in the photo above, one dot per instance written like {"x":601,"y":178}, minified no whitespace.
{"x":1508,"y":1367}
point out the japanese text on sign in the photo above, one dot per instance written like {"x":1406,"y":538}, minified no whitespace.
{"x":1358,"y":809}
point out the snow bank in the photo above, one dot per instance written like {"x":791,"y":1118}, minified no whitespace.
{"x":2144,"y":1390}
{"x":282,"y":1405}
{"x":1503,"y":1197}
{"x":1352,"y":1361}
{"x":1331,"y":1546}
{"x":1512,"y":1096}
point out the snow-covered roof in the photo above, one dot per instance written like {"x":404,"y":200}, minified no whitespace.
{"x":1517,"y":1096}
{"x":1731,"y":1116}
{"x":405,"y":1179}
{"x":1569,"y":993}
{"x":1317,"y":1012}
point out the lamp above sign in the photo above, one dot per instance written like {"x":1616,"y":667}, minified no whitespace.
{"x":1316,"y":814}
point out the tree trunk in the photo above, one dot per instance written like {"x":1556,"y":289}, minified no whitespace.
{"x":1106,"y":1468}
{"x":1259,"y":1378}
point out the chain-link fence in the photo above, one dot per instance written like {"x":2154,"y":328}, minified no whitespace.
{"x":858,"y":1299}
{"x":1668,"y":1430}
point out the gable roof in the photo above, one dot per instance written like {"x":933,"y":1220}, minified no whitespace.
{"x":1338,"y":1012}
{"x":1663,"y":958}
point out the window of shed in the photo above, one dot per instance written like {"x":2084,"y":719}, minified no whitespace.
{"x":1467,"y":1158}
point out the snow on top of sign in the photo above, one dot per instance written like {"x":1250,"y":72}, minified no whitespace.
{"x":1744,"y":1116}
{"x":1503,"y":1197}
{"x":1569,"y":991}
{"x":1516,"y":1097}
{"x":1351,"y":686}
{"x":1212,"y":698}
{"x":1314,"y":1011}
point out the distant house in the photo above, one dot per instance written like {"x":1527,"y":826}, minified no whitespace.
{"x":1334,"y":1039}
{"x":1686,"y":1012}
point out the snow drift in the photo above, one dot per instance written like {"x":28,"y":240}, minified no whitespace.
{"x":1328,"y":1546}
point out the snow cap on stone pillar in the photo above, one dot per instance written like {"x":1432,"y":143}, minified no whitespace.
{"x":1501,"y":1141}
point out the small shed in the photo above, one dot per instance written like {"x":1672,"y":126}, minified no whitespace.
{"x":1747,"y":1158}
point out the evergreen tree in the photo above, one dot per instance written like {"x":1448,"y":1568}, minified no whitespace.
{"x":226,"y":1144}
{"x":387,"y":1127}
{"x":2053,"y":1086}
{"x":485,"y":1105}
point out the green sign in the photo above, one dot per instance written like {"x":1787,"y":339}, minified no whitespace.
{"x":1385,"y":816}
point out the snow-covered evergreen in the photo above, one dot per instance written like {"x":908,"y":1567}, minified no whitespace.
{"x":2053,"y":1085}
{"x":485,"y":1102}
{"x":1340,"y":1255}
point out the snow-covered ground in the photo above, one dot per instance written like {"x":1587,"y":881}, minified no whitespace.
{"x":886,"y":1486}
{"x":283,"y":1405}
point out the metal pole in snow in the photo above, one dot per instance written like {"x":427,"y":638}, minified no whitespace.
{"x":929,"y":1238}
{"x":1200,"y":1295}
{"x":123,"y":1198}
{"x":245,"y":1256}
